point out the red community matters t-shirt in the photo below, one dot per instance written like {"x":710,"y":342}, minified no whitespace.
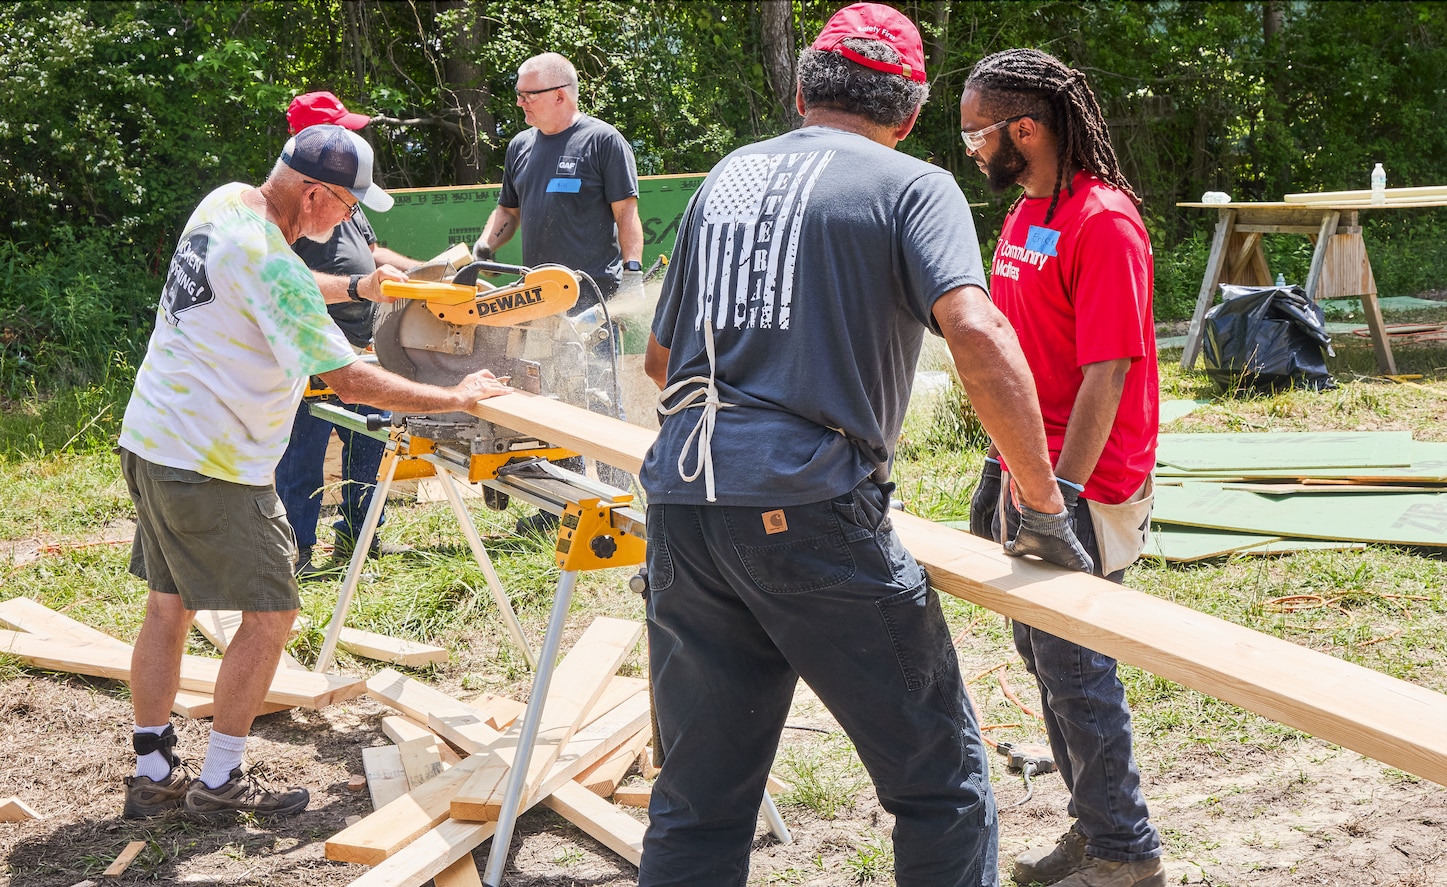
{"x":1078,"y":291}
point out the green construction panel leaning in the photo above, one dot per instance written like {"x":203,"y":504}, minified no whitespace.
{"x":425,"y":221}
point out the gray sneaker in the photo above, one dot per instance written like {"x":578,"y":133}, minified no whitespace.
{"x":1046,"y":865}
{"x":1109,"y":873}
{"x":242,"y":793}
{"x":146,"y":797}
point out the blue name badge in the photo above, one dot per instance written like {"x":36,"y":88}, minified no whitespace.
{"x":1042,"y":240}
{"x":565,"y":186}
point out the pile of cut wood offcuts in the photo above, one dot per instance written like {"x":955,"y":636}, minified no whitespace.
{"x":1274,"y":492}
{"x":432,"y":805}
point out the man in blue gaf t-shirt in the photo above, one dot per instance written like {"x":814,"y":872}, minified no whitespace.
{"x":806,"y":272}
{"x":570,"y":184}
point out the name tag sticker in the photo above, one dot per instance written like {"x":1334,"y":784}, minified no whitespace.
{"x":774,"y":522}
{"x":564,"y":186}
{"x":1042,"y":240}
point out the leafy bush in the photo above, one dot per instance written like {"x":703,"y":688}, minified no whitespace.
{"x":71,"y":313}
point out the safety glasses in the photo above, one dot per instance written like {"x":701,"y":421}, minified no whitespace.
{"x":975,"y":139}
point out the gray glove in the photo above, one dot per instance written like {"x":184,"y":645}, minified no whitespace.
{"x":630,"y":286}
{"x":985,"y":503}
{"x":1049,"y":537}
{"x":481,"y":252}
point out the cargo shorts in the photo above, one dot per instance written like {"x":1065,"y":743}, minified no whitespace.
{"x":219,"y":545}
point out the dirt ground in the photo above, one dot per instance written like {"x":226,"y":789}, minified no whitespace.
{"x":1231,"y":815}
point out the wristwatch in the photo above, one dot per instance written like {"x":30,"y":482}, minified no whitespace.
{"x":632,"y":265}
{"x":352,"y":288}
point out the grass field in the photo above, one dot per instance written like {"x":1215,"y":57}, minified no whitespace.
{"x":63,"y":511}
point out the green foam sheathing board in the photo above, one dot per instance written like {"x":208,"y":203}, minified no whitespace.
{"x":1387,"y":304}
{"x":1186,"y":544}
{"x":1171,"y":410}
{"x":1293,"y":489}
{"x":1428,"y":463}
{"x":1295,"y":450}
{"x":1393,"y":519}
{"x":1288,"y":546}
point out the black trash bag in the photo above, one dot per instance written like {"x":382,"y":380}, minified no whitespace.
{"x":1267,"y":338}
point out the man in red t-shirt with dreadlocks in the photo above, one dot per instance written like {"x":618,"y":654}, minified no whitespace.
{"x":1073,"y":274}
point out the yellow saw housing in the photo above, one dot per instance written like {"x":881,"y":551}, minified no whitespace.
{"x":542,"y":292}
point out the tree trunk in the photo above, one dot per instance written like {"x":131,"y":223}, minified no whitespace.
{"x":465,"y":93}
{"x":776,"y":18}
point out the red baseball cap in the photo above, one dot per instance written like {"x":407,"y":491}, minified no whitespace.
{"x":875,"y":21}
{"x":321,"y":107}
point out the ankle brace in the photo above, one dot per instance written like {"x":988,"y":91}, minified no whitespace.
{"x":145,"y":743}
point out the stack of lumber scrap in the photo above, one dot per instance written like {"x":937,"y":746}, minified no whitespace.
{"x":43,"y":638}
{"x":1431,"y":195}
{"x":594,"y":724}
{"x":1273,"y":492}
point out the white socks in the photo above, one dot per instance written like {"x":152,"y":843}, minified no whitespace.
{"x":152,"y":765}
{"x":223,"y":754}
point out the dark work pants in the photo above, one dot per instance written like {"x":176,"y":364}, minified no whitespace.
{"x":736,"y":615}
{"x":1088,"y":723}
{"x":299,"y":474}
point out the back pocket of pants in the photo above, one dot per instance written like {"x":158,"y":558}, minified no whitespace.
{"x":810,"y":556}
{"x":916,"y":627}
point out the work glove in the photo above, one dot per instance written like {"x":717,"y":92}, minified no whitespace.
{"x":630,"y":286}
{"x":985,"y":503}
{"x":1051,"y":537}
{"x":481,"y":252}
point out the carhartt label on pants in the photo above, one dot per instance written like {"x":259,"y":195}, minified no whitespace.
{"x":774,"y":522}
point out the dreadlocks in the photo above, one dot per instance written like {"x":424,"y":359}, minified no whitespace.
{"x":1031,"y":83}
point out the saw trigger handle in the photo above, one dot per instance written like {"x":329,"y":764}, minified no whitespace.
{"x":468,"y":275}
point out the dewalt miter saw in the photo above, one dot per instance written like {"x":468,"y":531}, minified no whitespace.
{"x":438,"y":331}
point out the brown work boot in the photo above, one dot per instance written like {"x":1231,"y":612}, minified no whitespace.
{"x":146,"y":798}
{"x":242,"y":793}
{"x":1046,"y":865}
{"x":1109,"y":873}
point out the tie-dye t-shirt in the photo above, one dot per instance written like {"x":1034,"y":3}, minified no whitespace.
{"x":240,"y":327}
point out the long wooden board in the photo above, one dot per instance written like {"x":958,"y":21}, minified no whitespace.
{"x":1393,"y":721}
{"x":599,"y":819}
{"x":289,"y":687}
{"x":24,"y":614}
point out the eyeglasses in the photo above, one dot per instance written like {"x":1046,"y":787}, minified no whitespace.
{"x":351,"y":207}
{"x":975,"y":139}
{"x":527,"y":95}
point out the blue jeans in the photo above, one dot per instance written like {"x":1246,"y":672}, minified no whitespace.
{"x":1088,"y":723}
{"x":300,"y":474}
{"x":736,"y":615}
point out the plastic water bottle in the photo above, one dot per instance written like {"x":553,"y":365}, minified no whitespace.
{"x":1280,"y":280}
{"x":1379,"y":185}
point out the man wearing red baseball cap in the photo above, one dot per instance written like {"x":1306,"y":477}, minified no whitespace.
{"x":349,"y":266}
{"x":803,"y":280}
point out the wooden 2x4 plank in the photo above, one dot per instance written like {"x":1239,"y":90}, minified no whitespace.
{"x":599,"y":819}
{"x":392,"y":830}
{"x":289,"y":687}
{"x":577,"y":683}
{"x":24,"y":614}
{"x":1390,"y":720}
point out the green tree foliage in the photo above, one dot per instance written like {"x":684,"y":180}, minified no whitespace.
{"x":117,"y":117}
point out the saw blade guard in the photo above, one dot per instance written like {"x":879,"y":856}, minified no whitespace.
{"x":573,"y":359}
